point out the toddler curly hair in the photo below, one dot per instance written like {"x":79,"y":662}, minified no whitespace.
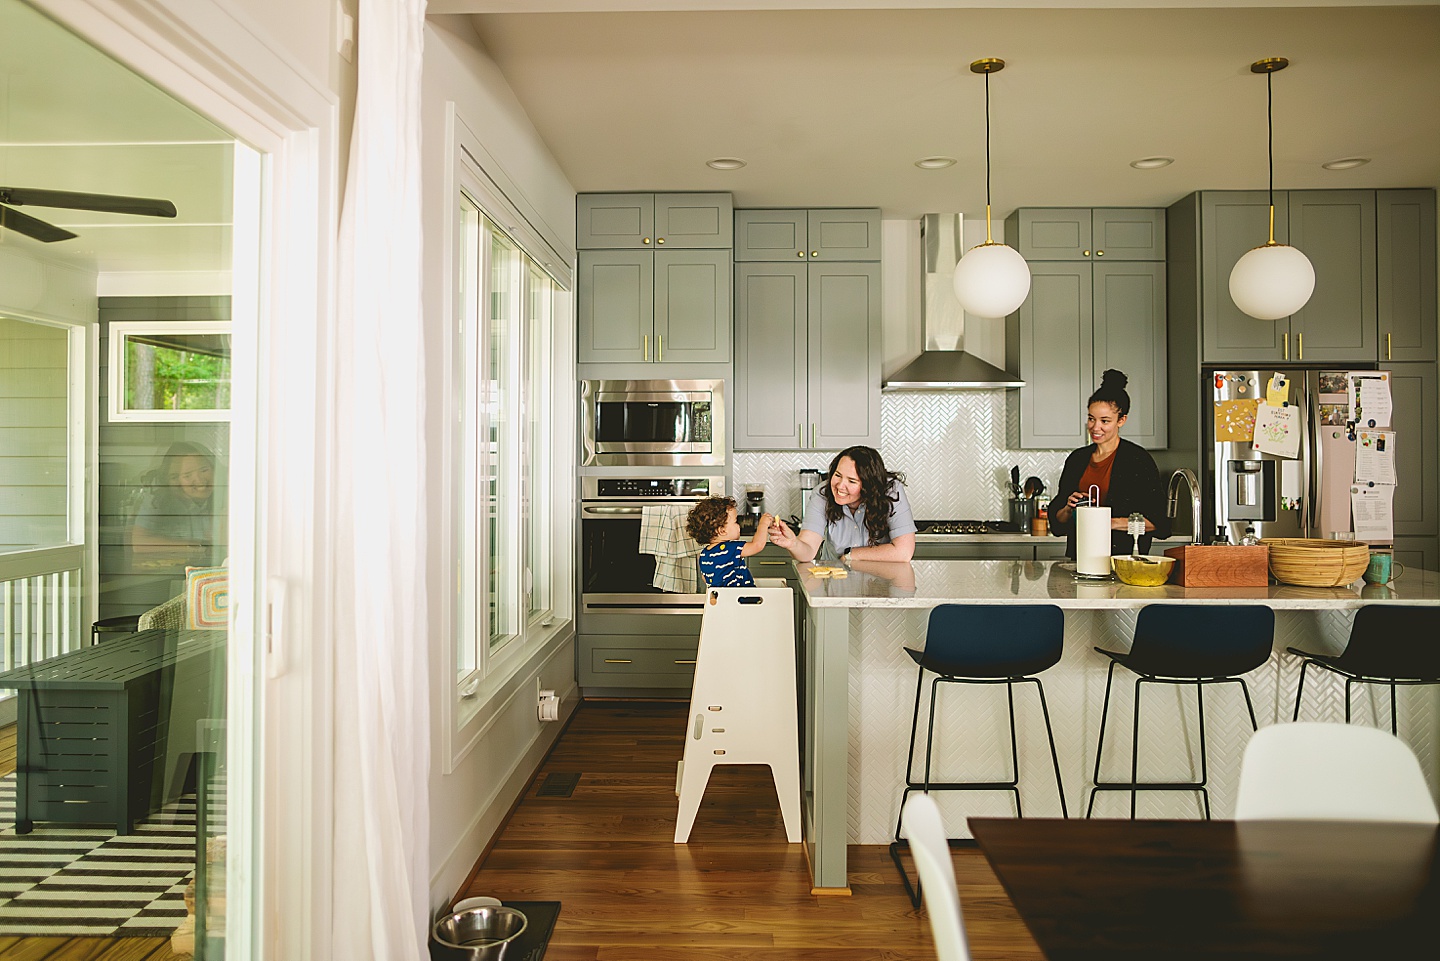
{"x":707,"y":518}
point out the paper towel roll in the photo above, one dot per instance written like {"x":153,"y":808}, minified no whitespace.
{"x":1092,"y":540}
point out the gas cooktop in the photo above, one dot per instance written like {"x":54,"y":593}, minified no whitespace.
{"x":966,"y":527}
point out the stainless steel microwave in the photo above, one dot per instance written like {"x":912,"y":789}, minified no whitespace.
{"x":652,"y":423}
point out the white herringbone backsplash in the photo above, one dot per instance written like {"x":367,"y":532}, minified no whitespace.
{"x":950,"y":445}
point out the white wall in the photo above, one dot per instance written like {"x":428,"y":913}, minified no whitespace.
{"x":474,"y":784}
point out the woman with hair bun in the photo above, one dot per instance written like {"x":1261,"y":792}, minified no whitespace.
{"x":1125,"y":474}
{"x":861,"y":510}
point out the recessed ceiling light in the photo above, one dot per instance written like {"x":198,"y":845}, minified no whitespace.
{"x":1346,"y":163}
{"x":725,"y":163}
{"x":1150,"y":163}
{"x":935,"y":163}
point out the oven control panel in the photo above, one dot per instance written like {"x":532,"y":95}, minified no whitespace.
{"x":632,"y":488}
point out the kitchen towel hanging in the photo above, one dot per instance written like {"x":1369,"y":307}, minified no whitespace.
{"x":1092,"y":538}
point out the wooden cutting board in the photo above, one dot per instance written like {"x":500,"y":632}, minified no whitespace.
{"x":1220,"y":565}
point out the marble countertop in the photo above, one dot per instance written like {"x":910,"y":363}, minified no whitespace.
{"x":924,"y":584}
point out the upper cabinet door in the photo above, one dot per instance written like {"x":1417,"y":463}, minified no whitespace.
{"x":630,"y":221}
{"x":1336,"y":230}
{"x":840,"y":234}
{"x":844,"y":355}
{"x":1055,"y":347}
{"x":705,"y":220}
{"x":692,"y":306}
{"x":1052,"y":233}
{"x":771,"y":357}
{"x":610,"y":221}
{"x":1233,"y":222}
{"x":771,"y":235}
{"x":616,"y":305}
{"x":1127,"y":233}
{"x":1130,"y":336}
{"x":1405,"y":271}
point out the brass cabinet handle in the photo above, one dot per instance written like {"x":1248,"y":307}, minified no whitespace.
{"x":773,"y":563}
{"x":647,"y":348}
{"x":645,"y":240}
{"x":1387,"y":345}
{"x":814,"y":253}
{"x":618,"y":660}
{"x":799,"y":253}
{"x":1299,"y":346}
{"x":812,"y":433}
{"x":1085,"y":253}
{"x":1285,"y":346}
{"x":659,"y":348}
{"x":1099,"y":253}
{"x":800,"y":435}
{"x":691,"y":661}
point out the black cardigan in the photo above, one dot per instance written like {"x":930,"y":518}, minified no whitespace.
{"x":1134,"y":486}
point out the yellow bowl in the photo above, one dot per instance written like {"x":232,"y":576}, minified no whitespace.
{"x":1149,"y":570}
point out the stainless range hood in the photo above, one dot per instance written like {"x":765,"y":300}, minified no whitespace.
{"x":943,"y":363}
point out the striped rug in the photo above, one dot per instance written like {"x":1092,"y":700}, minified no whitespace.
{"x":84,"y":880}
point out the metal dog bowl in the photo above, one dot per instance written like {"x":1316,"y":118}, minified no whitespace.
{"x":476,"y":934}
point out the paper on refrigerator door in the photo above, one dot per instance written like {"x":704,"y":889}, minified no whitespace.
{"x":1337,"y":476}
{"x":1277,"y":430}
{"x":1375,"y":457}
{"x":1370,"y":397}
{"x":1235,"y":420}
{"x":1372,"y":508}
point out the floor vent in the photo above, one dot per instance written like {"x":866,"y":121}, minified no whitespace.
{"x":558,"y":785}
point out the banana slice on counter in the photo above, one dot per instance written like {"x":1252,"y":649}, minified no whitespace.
{"x":823,"y":571}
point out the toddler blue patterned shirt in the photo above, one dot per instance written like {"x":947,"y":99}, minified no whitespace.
{"x":723,"y":566}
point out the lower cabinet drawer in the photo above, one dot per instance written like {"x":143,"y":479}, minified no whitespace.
{"x":629,"y":660}
{"x":626,"y":661}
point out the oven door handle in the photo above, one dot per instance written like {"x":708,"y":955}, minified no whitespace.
{"x":612,"y":510}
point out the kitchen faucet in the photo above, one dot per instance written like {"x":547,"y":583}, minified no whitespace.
{"x":1172,"y":495}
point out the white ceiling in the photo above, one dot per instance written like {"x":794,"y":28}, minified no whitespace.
{"x":833,"y":106}
{"x":73,"y":119}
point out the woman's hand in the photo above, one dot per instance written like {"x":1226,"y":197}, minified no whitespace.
{"x":780,"y":534}
{"x":1076,"y":499}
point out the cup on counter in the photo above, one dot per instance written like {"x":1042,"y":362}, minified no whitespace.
{"x":1382,"y":568}
{"x":1022,"y":510}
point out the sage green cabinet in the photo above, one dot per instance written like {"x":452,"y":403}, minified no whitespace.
{"x":1085,"y":233}
{"x":807,"y":355}
{"x":1336,"y":229}
{"x":1405,"y":268}
{"x":1417,"y":448}
{"x":653,"y":306}
{"x":825,"y":234}
{"x":1079,"y":320}
{"x":628,"y":221}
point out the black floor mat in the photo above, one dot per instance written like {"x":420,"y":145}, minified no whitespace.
{"x":539,"y":923}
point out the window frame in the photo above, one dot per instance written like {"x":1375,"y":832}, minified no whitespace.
{"x":119,"y":332}
{"x":479,"y":694}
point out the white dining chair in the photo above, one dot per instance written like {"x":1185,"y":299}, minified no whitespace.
{"x":921,"y":825}
{"x":1331,"y":772}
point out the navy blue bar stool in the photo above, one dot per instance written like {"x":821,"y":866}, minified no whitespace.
{"x":982,"y":644}
{"x":1185,"y":644}
{"x":1388,"y":645}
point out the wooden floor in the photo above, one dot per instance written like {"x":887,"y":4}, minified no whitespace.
{"x":74,"y":949}
{"x":736,"y":891}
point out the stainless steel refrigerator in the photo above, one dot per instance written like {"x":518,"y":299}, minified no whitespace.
{"x":1280,"y":496}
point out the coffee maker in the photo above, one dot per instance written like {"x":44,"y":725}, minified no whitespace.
{"x":809,"y":480}
{"x":755,"y":502}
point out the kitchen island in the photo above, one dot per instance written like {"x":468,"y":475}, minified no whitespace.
{"x":860,"y":688}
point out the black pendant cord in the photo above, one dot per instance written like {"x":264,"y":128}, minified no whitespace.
{"x":1270,"y":131}
{"x":987,"y":158}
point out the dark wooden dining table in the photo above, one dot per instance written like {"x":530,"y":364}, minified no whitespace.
{"x":1178,"y":890}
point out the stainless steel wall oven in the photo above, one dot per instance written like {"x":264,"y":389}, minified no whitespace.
{"x":652,"y":423}
{"x":614,"y":576}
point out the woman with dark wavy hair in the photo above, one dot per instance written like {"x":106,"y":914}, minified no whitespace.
{"x":861,"y":511}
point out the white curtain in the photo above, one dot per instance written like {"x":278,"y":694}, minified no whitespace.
{"x":381,"y":843}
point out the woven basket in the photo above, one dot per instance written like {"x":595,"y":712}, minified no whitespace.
{"x":1313,"y":562}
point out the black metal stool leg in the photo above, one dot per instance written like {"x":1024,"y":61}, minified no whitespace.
{"x":1014,"y":747}
{"x":1100,"y":745}
{"x":1054,"y":758}
{"x":1204,"y":757}
{"x":1135,"y":750}
{"x":1394,"y":727}
{"x":1300,"y":690}
{"x":1347,"y":700}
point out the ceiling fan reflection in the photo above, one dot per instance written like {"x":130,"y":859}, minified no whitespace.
{"x":11,"y":219}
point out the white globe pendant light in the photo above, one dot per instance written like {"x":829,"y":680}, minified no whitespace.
{"x":992,"y":279}
{"x":1274,"y":280}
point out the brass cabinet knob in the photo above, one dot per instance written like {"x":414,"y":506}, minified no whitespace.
{"x":1099,"y":253}
{"x":1085,"y":253}
{"x":660,"y":240}
{"x":814,"y":253}
{"x":799,"y":253}
{"x":645,"y":240}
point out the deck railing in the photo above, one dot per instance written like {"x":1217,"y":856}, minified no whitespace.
{"x":39,"y":605}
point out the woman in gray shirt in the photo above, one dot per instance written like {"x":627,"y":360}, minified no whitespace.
{"x":861,"y":511}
